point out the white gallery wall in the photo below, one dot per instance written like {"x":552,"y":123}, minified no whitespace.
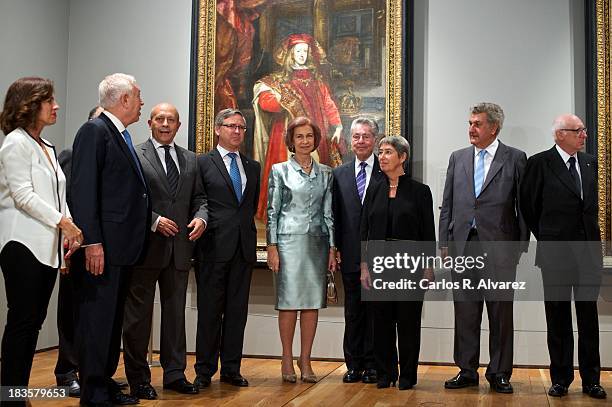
{"x":527,"y":56}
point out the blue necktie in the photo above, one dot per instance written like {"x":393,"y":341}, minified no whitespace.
{"x":361,"y":180}
{"x":128,"y":141}
{"x":479,"y":173}
{"x":235,"y":176}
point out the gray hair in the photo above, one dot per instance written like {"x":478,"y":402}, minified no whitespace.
{"x":399,"y":143}
{"x":225,"y":113}
{"x":495,"y":114}
{"x":113,"y":87}
{"x":368,"y":122}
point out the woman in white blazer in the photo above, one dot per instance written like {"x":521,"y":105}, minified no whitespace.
{"x":36,"y":231}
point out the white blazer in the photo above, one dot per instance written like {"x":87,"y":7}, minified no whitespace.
{"x":32,"y":197}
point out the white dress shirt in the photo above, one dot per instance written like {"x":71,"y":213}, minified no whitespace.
{"x":228,"y":161}
{"x":488,"y":157}
{"x":368,"y":170}
{"x":565,"y":157}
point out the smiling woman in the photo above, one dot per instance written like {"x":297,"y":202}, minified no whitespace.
{"x":36,"y":222}
{"x":300,"y":238}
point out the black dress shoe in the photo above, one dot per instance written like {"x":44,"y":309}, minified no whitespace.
{"x":120,"y":384}
{"x":595,"y":391}
{"x":201,"y":381}
{"x":352,"y":376}
{"x":369,"y":376}
{"x":122,"y":399}
{"x":98,"y":404}
{"x":235,"y":380}
{"x":385,"y":382}
{"x":74,"y":388}
{"x":143,"y":391}
{"x":501,"y":384}
{"x":557,"y":390}
{"x":405,"y":383}
{"x":459,"y":382}
{"x":182,"y":386}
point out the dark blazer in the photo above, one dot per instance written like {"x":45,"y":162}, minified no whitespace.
{"x":347,"y":213}
{"x":65,"y":161}
{"x":189,"y":202}
{"x":551,"y":204}
{"x":110,"y":201}
{"x":413,"y":217}
{"x":496,"y":209}
{"x":230,"y":223}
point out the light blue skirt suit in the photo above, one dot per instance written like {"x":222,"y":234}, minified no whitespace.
{"x":300,"y":223}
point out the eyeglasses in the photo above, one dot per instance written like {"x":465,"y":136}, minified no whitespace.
{"x":577,"y":131}
{"x":233,"y":127}
{"x":365,"y":137}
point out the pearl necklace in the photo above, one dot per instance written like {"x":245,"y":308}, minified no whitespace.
{"x":307,"y":166}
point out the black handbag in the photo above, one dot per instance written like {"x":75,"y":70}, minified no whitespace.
{"x":332,"y":291}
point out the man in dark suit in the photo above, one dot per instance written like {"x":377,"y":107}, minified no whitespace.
{"x":177,"y":220}
{"x":227,"y":252}
{"x":560,"y":204}
{"x":111,"y":204}
{"x":67,"y":366}
{"x":351,"y":182}
{"x":480,"y":204}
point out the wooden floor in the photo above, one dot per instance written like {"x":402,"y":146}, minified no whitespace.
{"x":267,"y":389}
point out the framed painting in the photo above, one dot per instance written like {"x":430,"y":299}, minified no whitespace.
{"x":603,"y":67}
{"x":329,"y":60}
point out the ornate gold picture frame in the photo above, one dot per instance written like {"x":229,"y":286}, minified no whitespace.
{"x":206,"y":71}
{"x":603,"y":17}
{"x":357,"y":55}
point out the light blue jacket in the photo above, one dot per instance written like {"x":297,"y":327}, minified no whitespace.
{"x":299,"y":203}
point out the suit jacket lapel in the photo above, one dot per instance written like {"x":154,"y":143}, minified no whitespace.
{"x":246,"y":164}
{"x":349,"y":178}
{"x":468,"y":166}
{"x":153,"y":158}
{"x":498,"y":161}
{"x":216,"y":158}
{"x":587,"y":176}
{"x":182,"y":167}
{"x":559,"y":168}
{"x":122,"y":145}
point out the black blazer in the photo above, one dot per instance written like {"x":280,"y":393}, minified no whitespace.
{"x":347,"y":213}
{"x":65,"y":161}
{"x":230,"y":223}
{"x":413,"y":217}
{"x":189,"y":202}
{"x":110,"y":200}
{"x":552,"y":206}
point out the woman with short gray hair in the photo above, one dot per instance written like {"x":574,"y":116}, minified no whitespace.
{"x":397,"y":208}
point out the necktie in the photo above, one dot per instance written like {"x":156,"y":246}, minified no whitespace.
{"x":574,"y":174}
{"x":171,"y":171}
{"x":479,"y":172}
{"x":128,"y":141}
{"x":361,"y":180}
{"x":235,"y":176}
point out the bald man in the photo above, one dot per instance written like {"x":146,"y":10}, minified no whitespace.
{"x":560,"y":205}
{"x":178,"y":219}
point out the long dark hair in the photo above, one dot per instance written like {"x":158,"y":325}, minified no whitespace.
{"x":22,"y":102}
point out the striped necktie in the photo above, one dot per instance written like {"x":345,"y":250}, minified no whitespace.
{"x":235,"y":176}
{"x":479,"y":173}
{"x":361,"y":180}
{"x":171,"y":171}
